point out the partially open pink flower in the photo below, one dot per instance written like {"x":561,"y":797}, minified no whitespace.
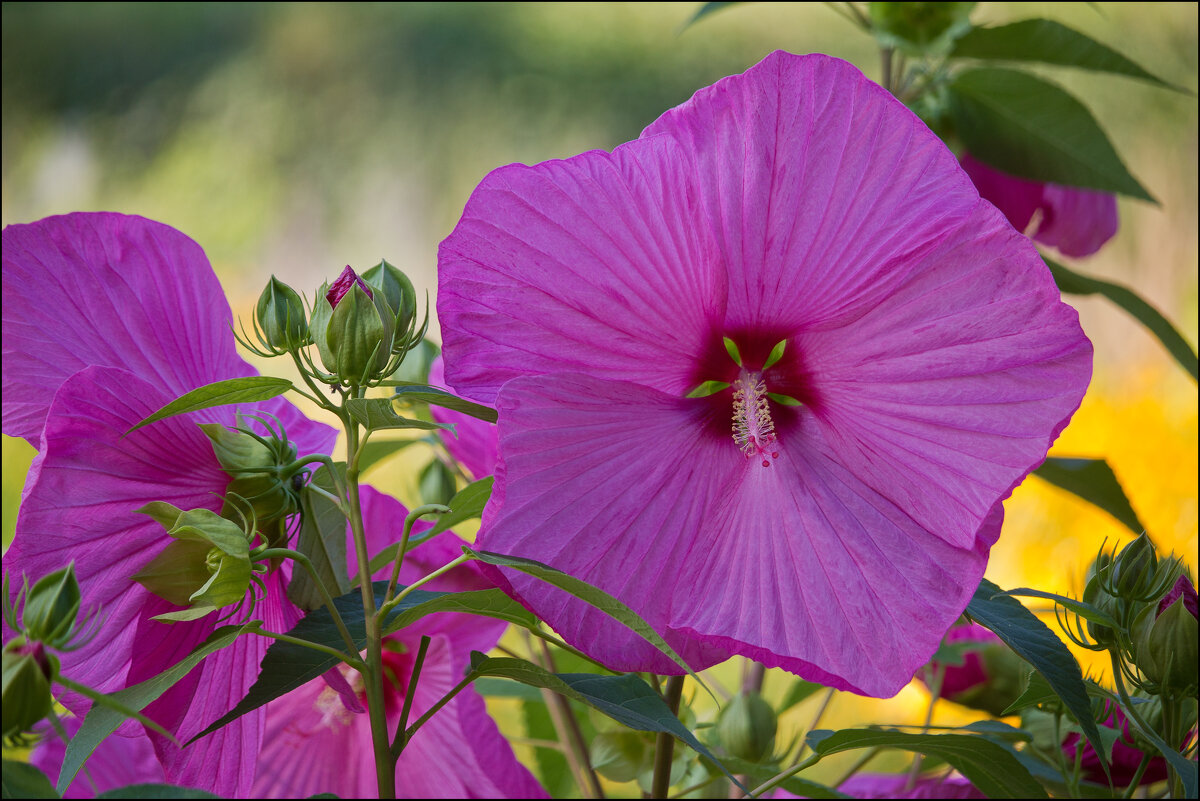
{"x":970,"y":674}
{"x":1075,"y":221}
{"x":1126,"y":756}
{"x":1183,"y":588}
{"x":314,"y":744}
{"x":106,"y":318}
{"x":990,"y":677}
{"x":830,"y":512}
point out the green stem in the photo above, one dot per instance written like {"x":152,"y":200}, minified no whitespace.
{"x":1137,"y":777}
{"x":885,"y":54}
{"x":413,"y":516}
{"x":319,"y":399}
{"x":664,"y":749}
{"x":859,"y":765}
{"x":445,"y":699}
{"x":935,"y":690}
{"x":816,"y":720}
{"x":385,"y":764}
{"x":307,"y":564}
{"x":774,"y":781}
{"x":387,"y":607}
{"x":576,"y":749}
{"x":354,"y":662}
{"x":401,"y":730}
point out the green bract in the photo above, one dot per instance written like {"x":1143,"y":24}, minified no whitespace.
{"x":206,"y":568}
{"x":257,"y":468}
{"x":355,"y":339}
{"x":1166,"y":648}
{"x":52,"y":607}
{"x":26,"y":699}
{"x":281,"y":317}
{"x":399,"y":293}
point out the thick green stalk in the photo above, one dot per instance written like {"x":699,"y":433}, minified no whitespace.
{"x":664,"y":749}
{"x":385,"y":766}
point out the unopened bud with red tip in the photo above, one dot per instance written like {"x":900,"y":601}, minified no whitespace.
{"x":1166,"y":641}
{"x":28,"y":671}
{"x":990,"y":677}
{"x":282,"y":320}
{"x":353,"y":328}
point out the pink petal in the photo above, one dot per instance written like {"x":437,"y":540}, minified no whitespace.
{"x":106,"y":289}
{"x":312,"y":744}
{"x":476,"y":445}
{"x":943,"y":396}
{"x":895,"y":785}
{"x":600,"y":264}
{"x":1077,"y":221}
{"x":800,"y":565}
{"x":822,"y":189}
{"x":1016,"y":198}
{"x":125,"y":758}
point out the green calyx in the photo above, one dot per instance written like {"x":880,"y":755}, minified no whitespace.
{"x":1165,"y":648}
{"x":207,"y":567}
{"x":281,"y":317}
{"x":400,"y":295}
{"x":52,"y":607}
{"x":27,"y":672}
{"x":260,"y":471}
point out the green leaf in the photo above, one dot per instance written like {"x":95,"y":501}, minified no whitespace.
{"x":1048,"y":42}
{"x":626,"y":699}
{"x":1033,"y":129}
{"x":552,"y":768}
{"x":1037,"y":692}
{"x":504,"y":688}
{"x":323,"y":540}
{"x":592,"y":595}
{"x":704,"y":11}
{"x":988,"y":766}
{"x":1094,"y":481}
{"x":440,"y":397}
{"x":799,"y":691}
{"x":102,"y":721}
{"x":377,"y":415}
{"x":22,"y":780}
{"x":1073,"y":283}
{"x":760,"y":774}
{"x":466,"y":504}
{"x":156,"y":791}
{"x":376,"y":451}
{"x":287,"y":666}
{"x":1036,"y":644}
{"x":1078,"y":607}
{"x":250,"y":389}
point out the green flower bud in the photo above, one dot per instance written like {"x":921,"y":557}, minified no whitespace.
{"x":1166,"y":647}
{"x":52,"y":607}
{"x":1095,"y":595}
{"x":437,"y":483}
{"x":281,"y":317}
{"x":206,"y":568}
{"x":353,"y":328}
{"x":254,"y":464}
{"x":27,"y":671}
{"x":399,"y":293}
{"x":919,"y":27}
{"x":746,"y":727}
{"x":620,"y":756}
{"x":1135,"y":569}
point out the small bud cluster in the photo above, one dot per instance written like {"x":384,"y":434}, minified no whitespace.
{"x":362,"y":326}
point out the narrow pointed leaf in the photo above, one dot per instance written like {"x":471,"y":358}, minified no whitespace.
{"x":1094,"y":481}
{"x":799,"y":691}
{"x":1034,"y":642}
{"x":323,"y":540}
{"x":1078,"y":607}
{"x":287,"y":666}
{"x":1074,"y":283}
{"x":592,"y":595}
{"x":1037,"y":691}
{"x":102,"y":721}
{"x":988,"y":766}
{"x":249,"y":389}
{"x":1049,"y":42}
{"x":466,"y":504}
{"x":626,"y":698}
{"x":439,"y":397}
{"x":704,"y":11}
{"x":377,"y":414}
{"x":1033,"y":129}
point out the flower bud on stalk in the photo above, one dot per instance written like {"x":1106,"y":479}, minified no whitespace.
{"x":259,"y":470}
{"x":282,"y":320}
{"x":52,"y":607}
{"x":1165,"y":641}
{"x":28,"y":670}
{"x":1135,"y":569}
{"x":353,"y":328}
{"x":746,"y":727}
{"x":991,"y":676}
{"x":400,"y":296}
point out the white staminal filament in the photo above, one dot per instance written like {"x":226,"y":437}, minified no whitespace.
{"x":753,"y":429}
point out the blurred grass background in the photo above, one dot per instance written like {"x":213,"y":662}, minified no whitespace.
{"x":296,"y":138}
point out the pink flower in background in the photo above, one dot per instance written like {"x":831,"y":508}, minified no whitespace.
{"x":830,"y":512}
{"x":1126,"y":756}
{"x":476,"y":446}
{"x":895,"y":785}
{"x":970,"y":674}
{"x":105,"y":319}
{"x":990,"y":677}
{"x":1075,"y":221}
{"x":314,"y":744}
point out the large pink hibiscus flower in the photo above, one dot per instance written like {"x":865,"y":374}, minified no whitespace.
{"x":829,"y":512}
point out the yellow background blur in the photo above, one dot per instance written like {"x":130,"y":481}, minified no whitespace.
{"x":294,"y":139}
